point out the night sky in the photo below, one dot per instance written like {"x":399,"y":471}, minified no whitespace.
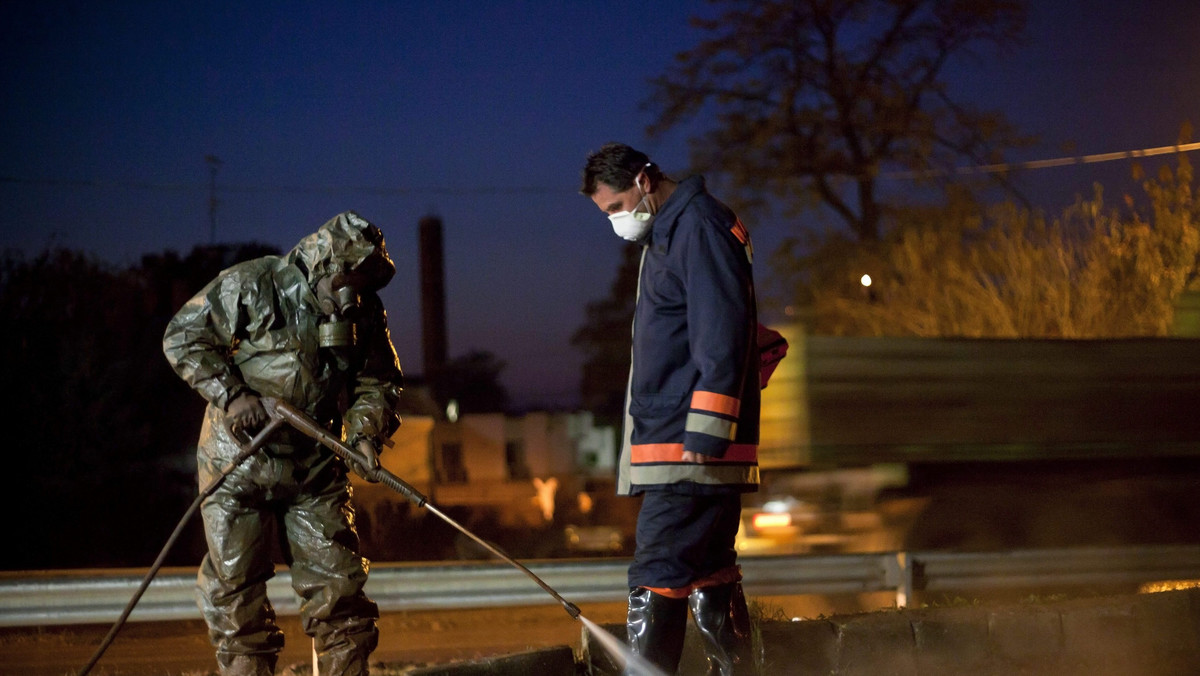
{"x":479,"y":112}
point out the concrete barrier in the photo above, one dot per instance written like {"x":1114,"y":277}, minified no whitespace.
{"x":1131,"y":635}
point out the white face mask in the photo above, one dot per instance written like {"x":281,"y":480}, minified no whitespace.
{"x":632,"y":225}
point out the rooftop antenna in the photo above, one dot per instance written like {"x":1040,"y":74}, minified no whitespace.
{"x":214,"y":163}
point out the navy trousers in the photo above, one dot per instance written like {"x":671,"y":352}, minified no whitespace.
{"x":684,"y":538}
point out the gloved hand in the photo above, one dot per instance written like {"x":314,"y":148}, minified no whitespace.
{"x":369,"y":458}
{"x":245,"y":414}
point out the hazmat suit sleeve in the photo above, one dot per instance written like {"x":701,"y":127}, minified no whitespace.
{"x":201,"y":338}
{"x":375,"y":393}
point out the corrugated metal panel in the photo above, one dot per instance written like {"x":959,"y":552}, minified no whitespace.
{"x":922,"y":399}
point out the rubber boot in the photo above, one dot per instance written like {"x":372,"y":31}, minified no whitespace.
{"x":723,"y":622}
{"x":347,"y":651}
{"x":656,"y":626}
{"x":247,"y":665}
{"x":343,"y":663}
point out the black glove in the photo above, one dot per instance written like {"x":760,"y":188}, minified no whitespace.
{"x":245,"y":414}
{"x":368,"y":461}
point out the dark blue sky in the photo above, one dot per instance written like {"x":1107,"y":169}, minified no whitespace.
{"x":479,"y":112}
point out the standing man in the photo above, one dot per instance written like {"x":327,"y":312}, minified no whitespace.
{"x":307,"y":328}
{"x":691,"y":411}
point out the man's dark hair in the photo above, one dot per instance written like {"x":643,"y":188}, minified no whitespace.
{"x":616,"y":165}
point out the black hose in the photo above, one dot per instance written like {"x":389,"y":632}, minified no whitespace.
{"x":245,"y":453}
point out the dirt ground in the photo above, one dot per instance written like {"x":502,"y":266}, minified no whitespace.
{"x":182,"y":648}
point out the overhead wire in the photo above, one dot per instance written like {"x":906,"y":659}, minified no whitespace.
{"x":536,"y":189}
{"x":1046,"y":164}
{"x":308,"y":189}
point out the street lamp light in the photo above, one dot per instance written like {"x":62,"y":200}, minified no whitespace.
{"x":865,"y":280}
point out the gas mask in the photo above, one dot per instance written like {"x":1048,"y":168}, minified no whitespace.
{"x":632,"y":225}
{"x":340,"y":304}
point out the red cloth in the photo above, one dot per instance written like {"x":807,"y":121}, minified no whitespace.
{"x":772,"y":348}
{"x":723,"y":576}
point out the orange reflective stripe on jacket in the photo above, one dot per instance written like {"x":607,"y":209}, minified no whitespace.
{"x":711,"y":402}
{"x":647,"y":453}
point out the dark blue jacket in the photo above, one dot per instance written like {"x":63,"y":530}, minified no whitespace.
{"x":694,"y":383}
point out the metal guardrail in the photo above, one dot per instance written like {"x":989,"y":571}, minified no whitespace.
{"x":46,"y":598}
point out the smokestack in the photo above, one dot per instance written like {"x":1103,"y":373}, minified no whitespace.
{"x":433,"y":295}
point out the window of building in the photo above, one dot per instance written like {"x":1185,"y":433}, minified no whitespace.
{"x":514,"y":459}
{"x":452,"y":470}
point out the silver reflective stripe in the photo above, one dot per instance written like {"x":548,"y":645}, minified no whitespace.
{"x":623,"y":481}
{"x":710,"y":425}
{"x":707,"y":473}
{"x":626,"y":434}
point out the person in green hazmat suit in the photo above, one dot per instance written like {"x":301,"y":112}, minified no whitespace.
{"x":307,"y":328}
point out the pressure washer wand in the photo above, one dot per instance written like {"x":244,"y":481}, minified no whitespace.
{"x":310,"y":427}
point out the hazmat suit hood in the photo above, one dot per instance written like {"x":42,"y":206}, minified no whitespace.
{"x":257,"y":327}
{"x":345,"y":242}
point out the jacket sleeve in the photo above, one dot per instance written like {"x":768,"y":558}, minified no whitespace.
{"x":720,"y":314}
{"x":376,"y":391}
{"x":200,"y":339}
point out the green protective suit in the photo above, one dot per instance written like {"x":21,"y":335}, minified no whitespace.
{"x":255,"y":327}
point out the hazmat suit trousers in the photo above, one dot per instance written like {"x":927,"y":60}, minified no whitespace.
{"x":310,"y":505}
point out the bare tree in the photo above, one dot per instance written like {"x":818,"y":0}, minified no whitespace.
{"x":812,"y":99}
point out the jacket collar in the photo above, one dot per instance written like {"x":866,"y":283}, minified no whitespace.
{"x":668,"y":216}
